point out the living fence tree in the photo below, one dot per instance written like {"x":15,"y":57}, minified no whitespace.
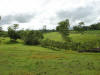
{"x":63,"y":29}
{"x":13,"y":33}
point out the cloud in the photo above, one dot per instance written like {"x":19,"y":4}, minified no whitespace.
{"x":76,"y":14}
{"x":20,"y":18}
{"x":36,"y":13}
{"x":88,"y":13}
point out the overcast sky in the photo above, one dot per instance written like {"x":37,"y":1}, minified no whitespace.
{"x":33,"y":14}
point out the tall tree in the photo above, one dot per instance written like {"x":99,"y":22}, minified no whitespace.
{"x":63,"y":29}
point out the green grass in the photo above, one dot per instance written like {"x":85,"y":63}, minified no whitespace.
{"x":16,"y":59}
{"x":19,"y":59}
{"x":53,"y":36}
{"x":87,"y":36}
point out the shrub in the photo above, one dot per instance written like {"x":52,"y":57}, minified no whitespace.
{"x":55,"y":44}
{"x":12,"y":32}
{"x":33,"y":37}
{"x":78,"y":46}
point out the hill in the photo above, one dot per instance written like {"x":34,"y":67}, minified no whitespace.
{"x":19,"y":59}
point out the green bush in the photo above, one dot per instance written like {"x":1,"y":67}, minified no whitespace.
{"x":55,"y":44}
{"x":32,"y":37}
{"x":77,"y":46}
{"x":13,"y":33}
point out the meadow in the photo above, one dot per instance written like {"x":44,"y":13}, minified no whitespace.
{"x":20,"y":59}
{"x":77,"y":37}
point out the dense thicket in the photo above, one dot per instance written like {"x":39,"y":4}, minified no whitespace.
{"x":32,"y":37}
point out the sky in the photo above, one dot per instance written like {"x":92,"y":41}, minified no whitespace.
{"x":34,"y":14}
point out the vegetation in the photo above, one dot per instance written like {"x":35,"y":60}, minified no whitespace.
{"x":79,"y":42}
{"x":81,"y":27}
{"x":19,"y":59}
{"x":63,"y":29}
{"x":33,"y":37}
{"x":43,"y":52}
{"x":13,"y":33}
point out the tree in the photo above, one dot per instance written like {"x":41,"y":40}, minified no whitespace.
{"x":12,"y":32}
{"x":79,"y":28}
{"x":33,"y":37}
{"x":63,"y":29}
{"x":95,"y":26}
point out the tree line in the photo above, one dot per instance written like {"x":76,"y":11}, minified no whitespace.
{"x":35,"y":37}
{"x":81,"y":27}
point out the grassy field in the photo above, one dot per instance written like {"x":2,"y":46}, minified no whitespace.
{"x":87,"y":36}
{"x":19,"y":59}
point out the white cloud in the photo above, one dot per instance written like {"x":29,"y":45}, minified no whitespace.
{"x":45,"y":12}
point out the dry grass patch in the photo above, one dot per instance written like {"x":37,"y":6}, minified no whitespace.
{"x":47,"y":56}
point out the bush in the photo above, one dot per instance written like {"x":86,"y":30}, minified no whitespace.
{"x":55,"y":44}
{"x":77,"y":46}
{"x":86,"y":46}
{"x":3,"y":34}
{"x":33,"y":37}
{"x":13,"y":33}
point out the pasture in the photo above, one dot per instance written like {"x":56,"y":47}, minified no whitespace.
{"x":20,"y":59}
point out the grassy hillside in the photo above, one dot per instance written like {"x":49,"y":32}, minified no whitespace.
{"x":53,"y":36}
{"x":87,"y":36}
{"x":19,"y":59}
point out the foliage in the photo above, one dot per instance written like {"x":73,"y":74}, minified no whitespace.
{"x":55,"y":44}
{"x":19,"y":59}
{"x":3,"y":34}
{"x":79,"y":42}
{"x":77,"y":46}
{"x":13,"y":33}
{"x":63,"y":29}
{"x":33,"y":37}
{"x":79,"y":28}
{"x":95,"y":26}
